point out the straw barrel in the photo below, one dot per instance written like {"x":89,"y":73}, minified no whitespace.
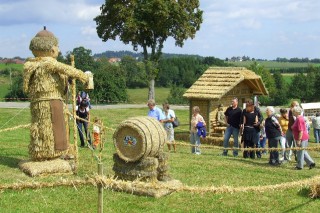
{"x":139,"y":137}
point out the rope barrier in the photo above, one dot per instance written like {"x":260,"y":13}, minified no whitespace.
{"x":16,"y":127}
{"x":112,"y":183}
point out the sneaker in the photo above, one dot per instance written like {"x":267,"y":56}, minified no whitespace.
{"x":312,"y":165}
{"x":198,"y":153}
{"x":297,"y":168}
{"x":281,"y":159}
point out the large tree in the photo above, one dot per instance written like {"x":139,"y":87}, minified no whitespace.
{"x":148,"y":23}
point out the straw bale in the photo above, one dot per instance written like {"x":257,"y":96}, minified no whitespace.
{"x":139,"y":137}
{"x":148,"y":164}
{"x":315,"y":191}
{"x":156,"y":191}
{"x":36,"y":168}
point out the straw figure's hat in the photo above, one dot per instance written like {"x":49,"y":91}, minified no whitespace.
{"x":43,"y":42}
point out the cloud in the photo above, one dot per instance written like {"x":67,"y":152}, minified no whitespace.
{"x":50,"y":11}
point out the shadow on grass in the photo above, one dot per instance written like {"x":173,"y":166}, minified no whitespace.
{"x":297,"y":207}
{"x":10,"y":161}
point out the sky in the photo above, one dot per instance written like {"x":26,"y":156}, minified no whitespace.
{"x":261,"y":29}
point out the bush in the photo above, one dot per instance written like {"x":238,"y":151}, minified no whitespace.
{"x":176,"y":95}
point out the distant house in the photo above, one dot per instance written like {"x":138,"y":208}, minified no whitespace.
{"x":219,"y":85}
{"x":114,"y":60}
{"x":310,"y":109}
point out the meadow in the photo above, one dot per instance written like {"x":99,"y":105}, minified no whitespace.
{"x":205,"y":170}
{"x":274,"y":64}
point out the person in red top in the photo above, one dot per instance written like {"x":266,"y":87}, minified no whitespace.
{"x":301,"y":137}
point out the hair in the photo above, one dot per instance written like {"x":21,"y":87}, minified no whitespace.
{"x":283,"y":111}
{"x":96,"y":119}
{"x":151,"y":102}
{"x":196,"y":109}
{"x":294,"y":103}
{"x":249,"y":102}
{"x":318,"y":114}
{"x":297,"y":109}
{"x":270,"y":108}
{"x":83,"y":103}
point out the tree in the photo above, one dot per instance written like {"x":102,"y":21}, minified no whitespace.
{"x":82,"y":58}
{"x":109,"y":83}
{"x":135,"y":74}
{"x":148,"y":23}
{"x":281,"y":95}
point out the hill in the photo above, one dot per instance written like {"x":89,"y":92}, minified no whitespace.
{"x":138,"y":55}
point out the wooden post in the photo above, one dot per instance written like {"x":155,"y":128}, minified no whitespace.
{"x":75,"y":126}
{"x":100,"y":189}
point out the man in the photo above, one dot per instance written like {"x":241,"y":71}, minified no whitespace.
{"x":316,"y":127}
{"x":232,"y":119}
{"x":154,"y":111}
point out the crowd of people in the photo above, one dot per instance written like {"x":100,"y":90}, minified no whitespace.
{"x":167,"y":117}
{"x":287,"y":130}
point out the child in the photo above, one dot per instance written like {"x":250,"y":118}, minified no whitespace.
{"x":96,"y":132}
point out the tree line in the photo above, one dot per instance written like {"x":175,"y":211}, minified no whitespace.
{"x":177,"y":73}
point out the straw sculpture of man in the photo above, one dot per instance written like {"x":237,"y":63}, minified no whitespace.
{"x":46,"y":81}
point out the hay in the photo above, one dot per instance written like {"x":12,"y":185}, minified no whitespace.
{"x":216,"y":82}
{"x":139,"y":137}
{"x":157,"y":191}
{"x":45,"y":79}
{"x":143,"y":170}
{"x":315,"y":191}
{"x":35,"y":168}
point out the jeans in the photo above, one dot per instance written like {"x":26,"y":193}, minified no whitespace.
{"x":274,"y":154}
{"x":85,"y":125}
{"x":303,"y":155}
{"x":316,"y":133}
{"x":257,"y":145}
{"x":290,"y":143}
{"x":283,"y":146}
{"x":231,"y":131}
{"x":262,"y":143}
{"x":195,"y":140}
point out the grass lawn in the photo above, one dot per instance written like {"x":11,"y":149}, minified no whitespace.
{"x":5,"y":86}
{"x":206,"y":170}
{"x":140,"y":96}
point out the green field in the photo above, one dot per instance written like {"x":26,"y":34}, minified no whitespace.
{"x":140,"y":96}
{"x":12,"y":66}
{"x":273,"y":64}
{"x":205,"y":170}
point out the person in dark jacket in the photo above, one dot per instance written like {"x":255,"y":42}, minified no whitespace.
{"x":233,"y":119}
{"x":255,"y":125}
{"x":250,"y":137}
{"x":273,"y":132}
{"x":83,"y":112}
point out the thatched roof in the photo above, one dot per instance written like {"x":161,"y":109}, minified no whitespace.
{"x":217,"y":81}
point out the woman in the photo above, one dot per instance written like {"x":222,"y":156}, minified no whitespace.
{"x":273,"y":133}
{"x":169,"y":116}
{"x":196,"y":119}
{"x":301,"y":138}
{"x":284,"y":122}
{"x":250,"y":119}
{"x":83,"y":112}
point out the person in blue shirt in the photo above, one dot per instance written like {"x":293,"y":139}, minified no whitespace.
{"x":154,"y":111}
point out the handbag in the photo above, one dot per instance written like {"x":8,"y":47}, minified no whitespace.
{"x":176,"y":122}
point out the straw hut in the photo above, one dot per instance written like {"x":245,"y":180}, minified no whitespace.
{"x":218,"y":85}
